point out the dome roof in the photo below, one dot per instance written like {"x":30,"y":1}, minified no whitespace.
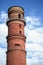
{"x":16,"y":8}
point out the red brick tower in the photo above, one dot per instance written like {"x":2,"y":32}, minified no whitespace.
{"x":16,"y":54}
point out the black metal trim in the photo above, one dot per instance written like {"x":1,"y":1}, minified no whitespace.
{"x":15,"y":6}
{"x":21,"y":20}
{"x":15,"y":50}
{"x":16,"y":35}
{"x":12,"y":37}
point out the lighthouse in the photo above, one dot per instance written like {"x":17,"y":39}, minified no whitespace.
{"x":16,"y":39}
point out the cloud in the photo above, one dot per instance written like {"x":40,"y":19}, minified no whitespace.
{"x":34,"y":35}
{"x":35,"y":59}
{"x":33,"y":22}
{"x":3,"y":17}
{"x":2,"y":56}
{"x":34,"y":41}
{"x":3,"y":43}
{"x":3,"y":34}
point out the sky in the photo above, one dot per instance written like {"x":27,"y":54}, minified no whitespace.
{"x":33,"y":13}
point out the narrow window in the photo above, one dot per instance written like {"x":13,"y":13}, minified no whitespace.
{"x":20,"y":25}
{"x":20,"y":32}
{"x":17,"y":44}
{"x":19,"y":16}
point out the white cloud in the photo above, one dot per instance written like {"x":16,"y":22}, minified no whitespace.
{"x":33,"y":21}
{"x":35,"y":35}
{"x":34,"y":47}
{"x":36,"y":58}
{"x":2,"y":56}
{"x":40,"y":30}
{"x":3,"y":43}
{"x":3,"y":17}
{"x":3,"y":34}
{"x":3,"y":29}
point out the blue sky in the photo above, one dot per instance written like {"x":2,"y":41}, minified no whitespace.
{"x":33,"y":29}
